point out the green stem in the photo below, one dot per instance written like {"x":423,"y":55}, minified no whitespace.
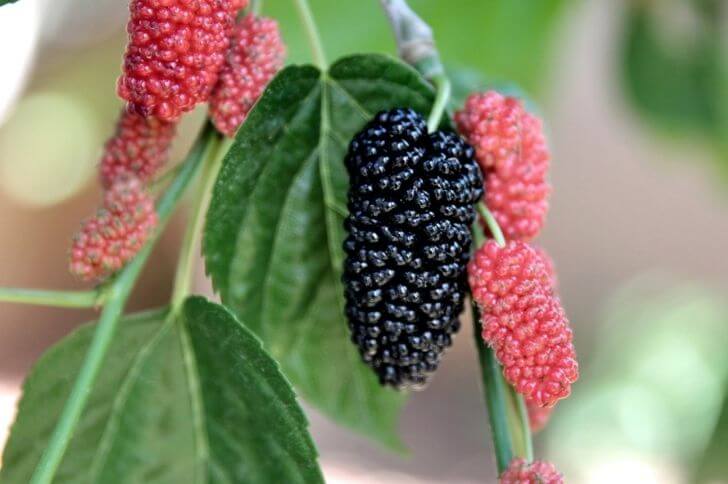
{"x":492,"y":224}
{"x":526,"y":451}
{"x":118,"y":293}
{"x":212,"y":157}
{"x":495,"y":390}
{"x":443,"y":87}
{"x":60,"y":299}
{"x":312,"y":33}
{"x":256,"y":6}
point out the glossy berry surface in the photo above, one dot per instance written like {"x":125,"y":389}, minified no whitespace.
{"x":139,"y":148}
{"x":256,"y":54}
{"x":511,"y":150}
{"x":538,"y":472}
{"x":119,"y":230}
{"x":410,"y":210}
{"x":523,"y":321}
{"x":175,"y":51}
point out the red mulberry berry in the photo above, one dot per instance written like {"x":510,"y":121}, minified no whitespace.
{"x":538,"y":416}
{"x":511,"y":150}
{"x":139,"y":148}
{"x":175,"y":52}
{"x":523,"y":321}
{"x":119,"y":230}
{"x":255,"y":56}
{"x":537,"y":472}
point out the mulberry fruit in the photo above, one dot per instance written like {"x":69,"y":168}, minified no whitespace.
{"x":538,"y":472}
{"x":523,"y":321}
{"x":139,"y":148}
{"x":119,"y":230}
{"x":175,"y":52}
{"x":410,"y":210}
{"x":255,"y":56}
{"x":511,"y":150}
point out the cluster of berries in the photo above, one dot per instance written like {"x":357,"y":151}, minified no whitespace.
{"x":411,"y":207}
{"x":180,"y":53}
{"x":538,"y":472}
{"x":515,"y":285}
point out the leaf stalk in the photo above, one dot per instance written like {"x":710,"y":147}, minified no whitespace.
{"x":117,"y":295}
{"x":59,"y":299}
{"x":212,"y":161}
{"x":312,"y":33}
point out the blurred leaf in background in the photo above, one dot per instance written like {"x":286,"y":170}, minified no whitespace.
{"x":505,"y":39}
{"x":714,"y":465}
{"x":675,"y":68}
{"x":653,"y":388}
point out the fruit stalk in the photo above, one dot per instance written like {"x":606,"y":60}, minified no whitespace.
{"x":506,"y":410}
{"x":416,"y":46}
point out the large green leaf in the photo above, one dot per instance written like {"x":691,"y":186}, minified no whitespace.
{"x":5,"y":2}
{"x":185,"y":398}
{"x":274,"y":235}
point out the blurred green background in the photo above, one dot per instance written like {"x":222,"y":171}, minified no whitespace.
{"x":635,"y":98}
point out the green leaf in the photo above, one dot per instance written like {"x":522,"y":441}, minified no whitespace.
{"x":5,"y":2}
{"x":274,"y":235}
{"x":185,"y":398}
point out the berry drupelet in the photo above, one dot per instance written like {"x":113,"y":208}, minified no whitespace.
{"x":410,"y":206}
{"x":175,"y":52}
{"x":119,"y":230}
{"x":256,"y":54}
{"x":139,"y":148}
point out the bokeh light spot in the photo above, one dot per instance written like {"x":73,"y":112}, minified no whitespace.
{"x":47,"y":149}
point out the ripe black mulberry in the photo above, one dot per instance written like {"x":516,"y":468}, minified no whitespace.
{"x":411,"y":207}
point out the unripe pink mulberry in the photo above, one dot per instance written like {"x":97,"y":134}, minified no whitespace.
{"x":176,"y":49}
{"x":511,"y":150}
{"x":255,"y":56}
{"x":139,"y":148}
{"x":523,"y":321}
{"x":119,"y":230}
{"x":538,"y":416}
{"x":538,"y":472}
